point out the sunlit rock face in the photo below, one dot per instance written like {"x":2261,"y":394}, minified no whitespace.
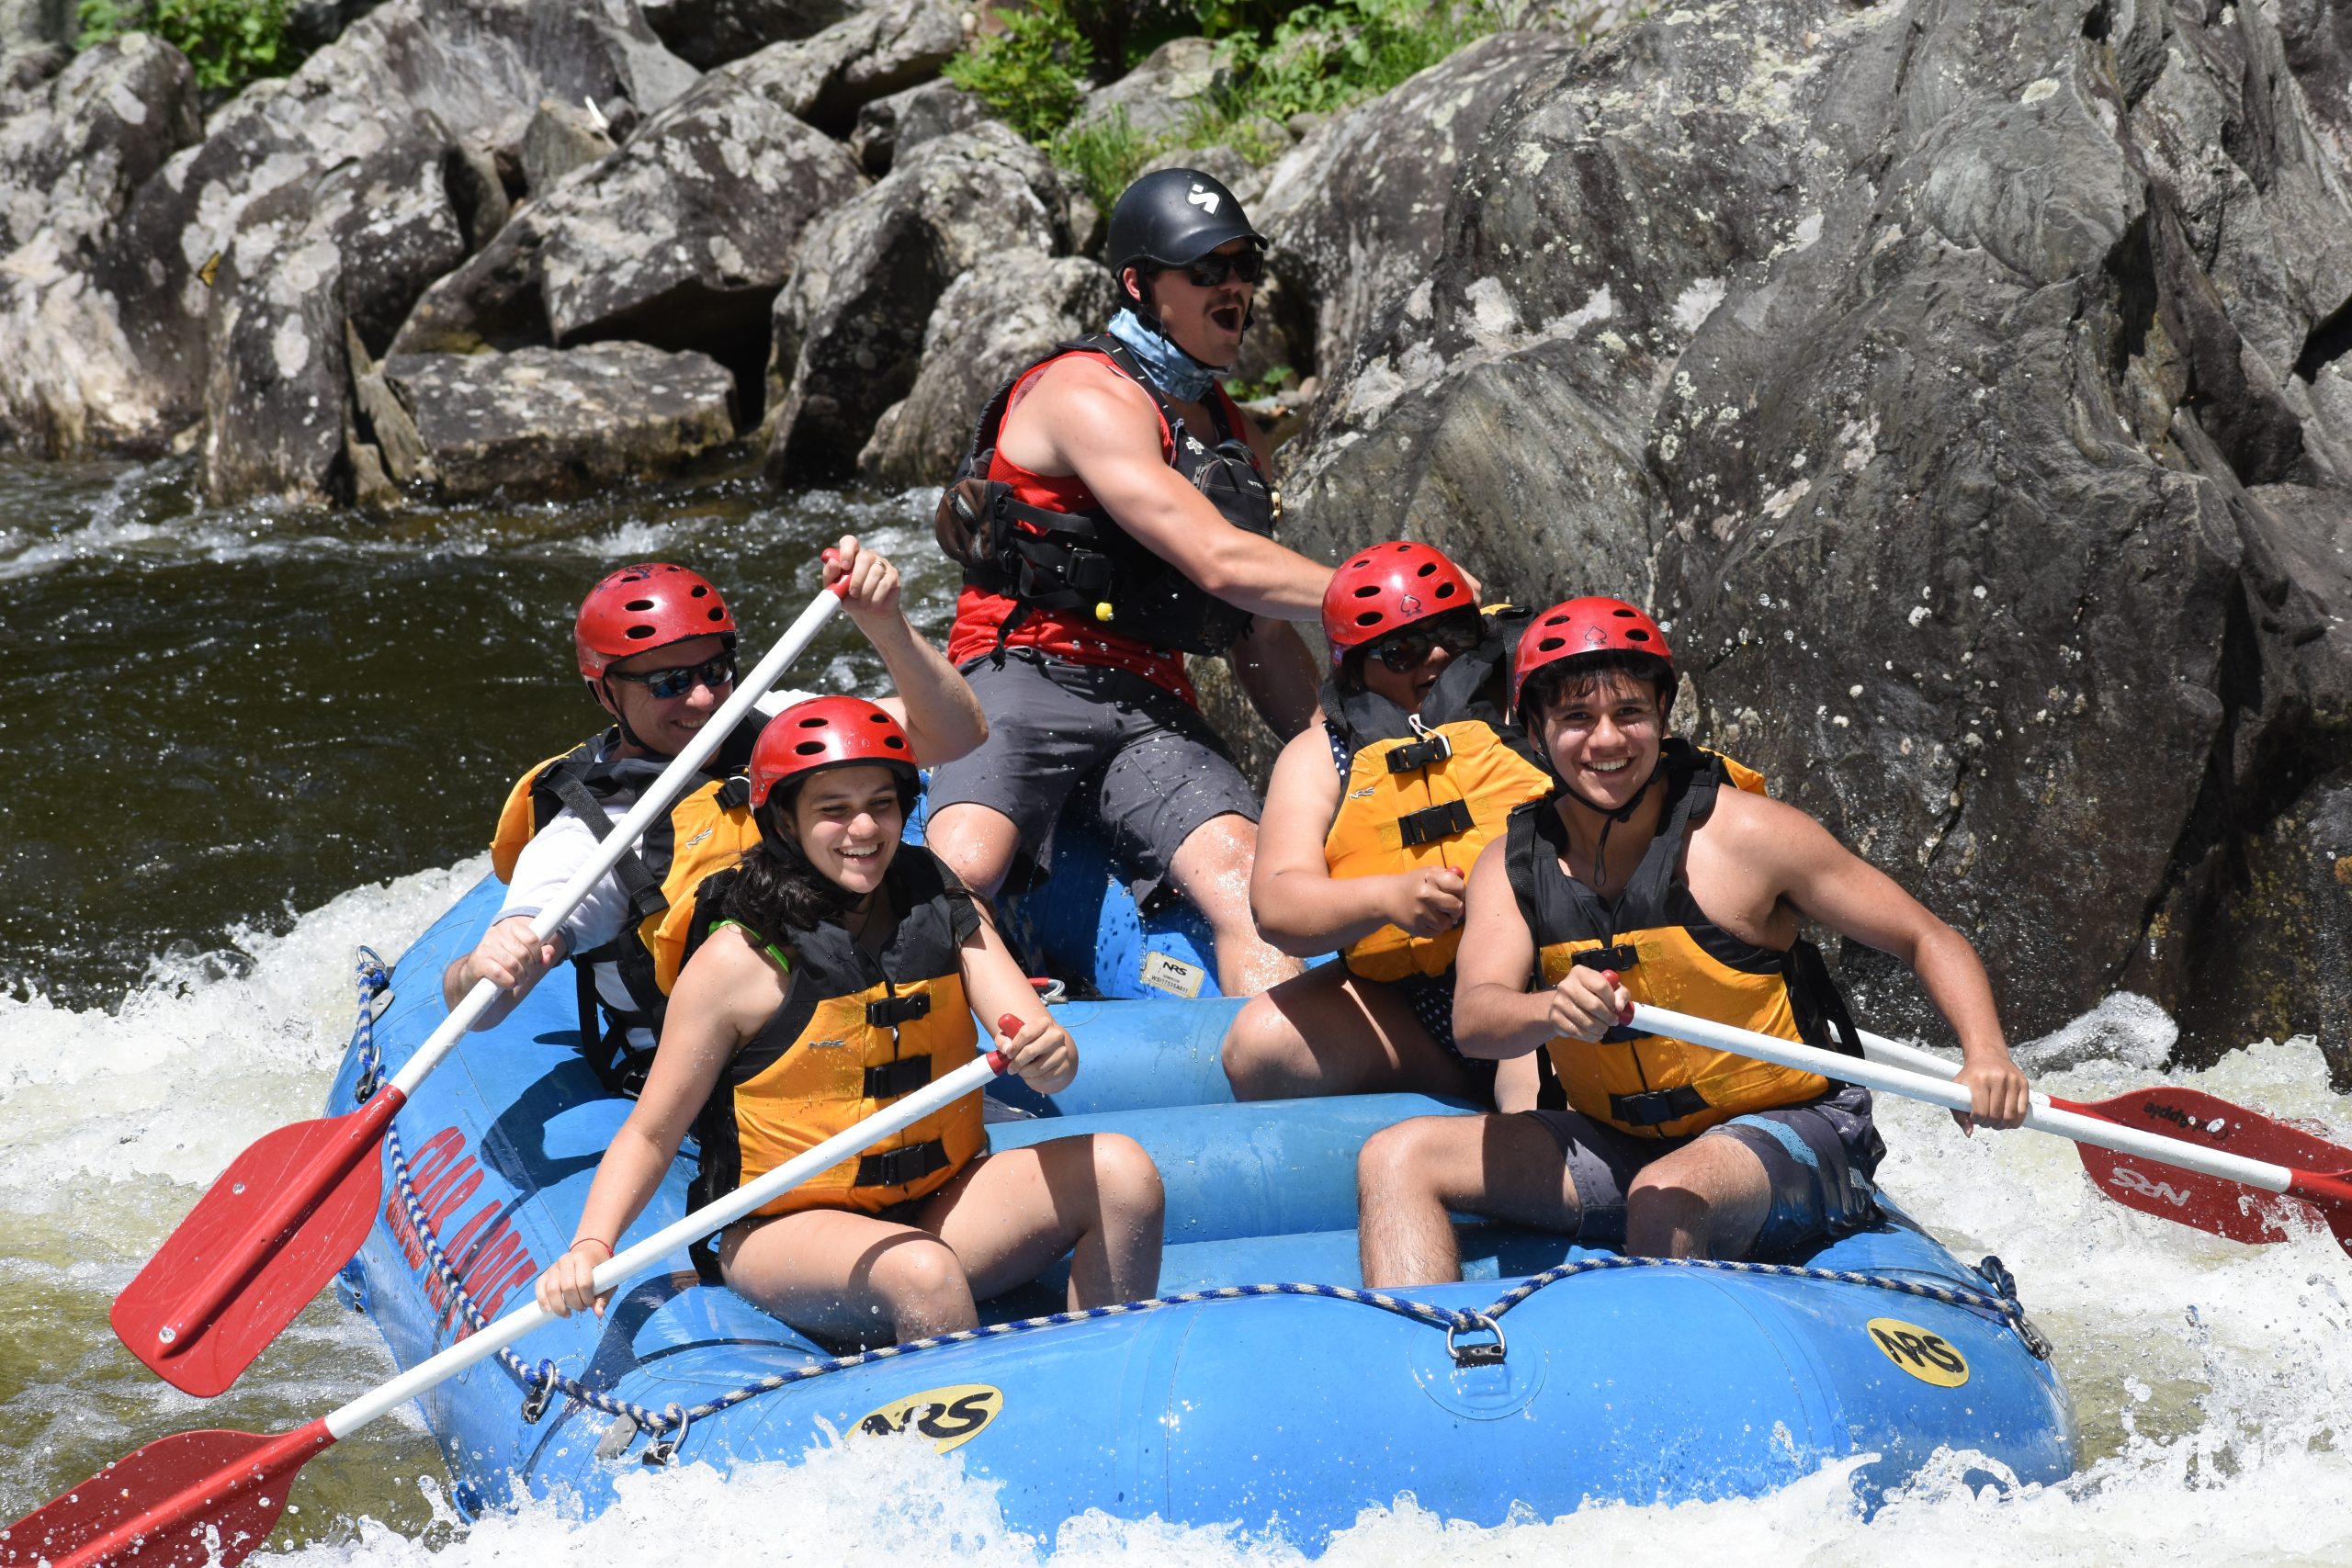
{"x":1963,"y":383}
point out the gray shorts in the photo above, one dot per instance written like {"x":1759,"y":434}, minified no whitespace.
{"x":1064,"y":737}
{"x":1820,"y":1156}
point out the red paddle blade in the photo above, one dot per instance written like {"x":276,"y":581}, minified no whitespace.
{"x":267,"y":1237}
{"x":197,"y":1499}
{"x":2225,"y":1208}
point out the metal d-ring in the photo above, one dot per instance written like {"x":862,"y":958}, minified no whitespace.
{"x":664,"y":1450}
{"x":1476,"y":1354}
{"x":535,"y":1403}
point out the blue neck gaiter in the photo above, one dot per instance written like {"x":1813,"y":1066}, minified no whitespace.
{"x":1176,"y":373}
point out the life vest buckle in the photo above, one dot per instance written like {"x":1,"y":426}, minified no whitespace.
{"x":893,"y":1080}
{"x":892,"y":1012}
{"x":898,"y":1167}
{"x":1657,"y":1107}
{"x":1621,"y":957}
{"x":1412,"y":756}
{"x":1434,"y":822}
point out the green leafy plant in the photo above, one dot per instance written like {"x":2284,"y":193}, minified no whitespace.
{"x":1266,"y":386}
{"x":1033,"y":74}
{"x":1104,"y":154}
{"x":1322,"y":58}
{"x":228,"y":42}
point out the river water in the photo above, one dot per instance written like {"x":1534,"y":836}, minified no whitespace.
{"x":246,"y":740}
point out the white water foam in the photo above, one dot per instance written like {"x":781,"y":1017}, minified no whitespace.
{"x":2211,"y":1380}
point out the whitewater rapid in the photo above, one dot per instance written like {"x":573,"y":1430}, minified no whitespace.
{"x":2214,"y":1381}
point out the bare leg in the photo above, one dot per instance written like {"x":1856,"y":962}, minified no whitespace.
{"x":1327,"y":1033}
{"x":1212,"y":868}
{"x":848,"y":1275}
{"x":1097,"y":1197}
{"x":1707,"y":1199}
{"x":977,"y":844}
{"x":1410,"y":1174}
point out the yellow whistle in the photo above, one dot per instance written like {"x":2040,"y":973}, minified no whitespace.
{"x":1102,"y":610}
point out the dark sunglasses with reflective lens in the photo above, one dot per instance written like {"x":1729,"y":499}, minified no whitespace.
{"x":1455,"y":631}
{"x":667,"y":684}
{"x":1210,"y":270}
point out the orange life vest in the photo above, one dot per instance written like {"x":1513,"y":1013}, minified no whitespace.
{"x":1424,"y":789}
{"x":857,"y":1029}
{"x":1669,"y":953}
{"x":706,"y":830}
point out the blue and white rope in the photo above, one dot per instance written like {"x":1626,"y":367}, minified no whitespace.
{"x":541,"y":1379}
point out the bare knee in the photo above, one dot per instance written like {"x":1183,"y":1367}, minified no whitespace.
{"x":1400,"y":1161}
{"x":1261,"y":1051}
{"x":1665,"y":1217}
{"x":977,"y":848}
{"x":919,"y":1278}
{"x":1127,"y":1180}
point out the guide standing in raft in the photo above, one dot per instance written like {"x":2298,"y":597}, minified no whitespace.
{"x":1645,"y":878}
{"x":1117,"y":514}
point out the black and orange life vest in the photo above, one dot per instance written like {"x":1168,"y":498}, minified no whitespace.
{"x":857,"y":1029}
{"x":1669,"y":953}
{"x":707,"y":828}
{"x":1425,"y":789}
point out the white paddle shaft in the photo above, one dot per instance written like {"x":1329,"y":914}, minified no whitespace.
{"x":683,"y":770}
{"x":2043,"y":1118}
{"x":969,"y":1078}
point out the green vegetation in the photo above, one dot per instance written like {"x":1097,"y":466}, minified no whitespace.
{"x":1032,"y":74}
{"x":229,"y":42}
{"x":1278,"y":58}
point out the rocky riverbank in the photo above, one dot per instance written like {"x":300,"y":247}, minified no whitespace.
{"x":1963,"y":380}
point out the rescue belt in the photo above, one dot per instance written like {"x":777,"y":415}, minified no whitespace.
{"x":1668,"y":953}
{"x":1429,"y":788}
{"x":856,"y":1030}
{"x":1083,"y":561}
{"x":705,"y":830}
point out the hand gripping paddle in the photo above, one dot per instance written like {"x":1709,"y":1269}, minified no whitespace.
{"x":294,"y":1207}
{"x":201,"y":1499}
{"x":2207,"y":1153}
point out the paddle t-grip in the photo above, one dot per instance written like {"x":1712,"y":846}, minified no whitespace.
{"x":1006,"y":1023}
{"x":1611,"y":976}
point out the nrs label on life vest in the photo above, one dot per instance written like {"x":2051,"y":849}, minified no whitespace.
{"x":950,"y":1416}
{"x":1930,"y":1357}
{"x":1173,"y":976}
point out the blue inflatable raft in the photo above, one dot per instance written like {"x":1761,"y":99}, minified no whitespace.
{"x":1551,"y":1376}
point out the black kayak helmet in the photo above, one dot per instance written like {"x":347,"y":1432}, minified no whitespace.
{"x":1172,"y":218}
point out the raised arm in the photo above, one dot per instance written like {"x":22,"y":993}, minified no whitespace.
{"x":941,"y":716}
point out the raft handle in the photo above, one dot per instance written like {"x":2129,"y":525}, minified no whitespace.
{"x":664,"y":1450}
{"x":1478,"y":1353}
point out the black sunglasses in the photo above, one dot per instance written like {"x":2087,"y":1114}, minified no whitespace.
{"x":1403,"y":650}
{"x":667,"y":684}
{"x":1208,"y":271}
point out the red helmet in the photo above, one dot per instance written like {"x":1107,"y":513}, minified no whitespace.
{"x":641,"y":607}
{"x":1580,"y":627}
{"x":1389,"y":586}
{"x":830,"y":732}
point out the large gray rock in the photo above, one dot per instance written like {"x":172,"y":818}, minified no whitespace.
{"x":680,"y":240}
{"x":1160,"y":97}
{"x":137,"y":369}
{"x":888,"y":127}
{"x":827,"y":79}
{"x":1009,"y":309}
{"x":709,"y":33}
{"x":1961,"y":382}
{"x":547,"y":422}
{"x":36,"y":37}
{"x":1357,"y":210}
{"x":849,"y":326}
{"x":74,"y":150}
